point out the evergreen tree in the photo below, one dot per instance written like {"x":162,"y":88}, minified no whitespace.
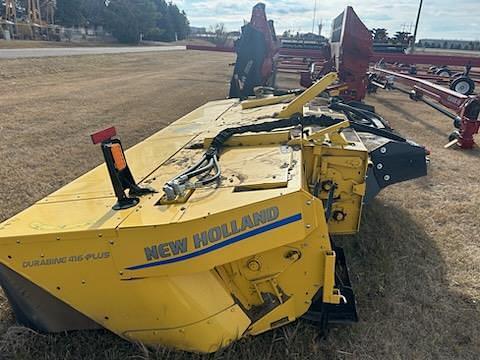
{"x":128,"y":19}
{"x":69,"y":13}
{"x":93,"y":11}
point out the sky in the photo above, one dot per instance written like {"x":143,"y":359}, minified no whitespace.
{"x":440,"y":19}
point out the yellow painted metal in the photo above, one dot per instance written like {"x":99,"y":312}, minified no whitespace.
{"x":205,"y":336}
{"x":332,"y":134}
{"x":343,"y":165}
{"x":239,"y":258}
{"x":270,"y":100}
{"x":296,"y":106}
{"x":330,"y":294}
{"x":337,"y":91}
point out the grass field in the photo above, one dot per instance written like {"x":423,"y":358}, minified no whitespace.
{"x":415,"y":264}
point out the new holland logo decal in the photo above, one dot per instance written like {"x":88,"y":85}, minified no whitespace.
{"x":214,"y":238}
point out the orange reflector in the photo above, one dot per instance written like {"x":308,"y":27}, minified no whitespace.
{"x":118,"y":157}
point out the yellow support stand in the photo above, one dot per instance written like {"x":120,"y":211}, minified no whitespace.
{"x":296,"y":106}
{"x":333,"y":132}
{"x":330,"y":294}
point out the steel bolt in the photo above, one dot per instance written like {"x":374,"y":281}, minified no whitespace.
{"x":386,"y":177}
{"x":383,"y":150}
{"x":380,"y":166}
{"x":253,"y":265}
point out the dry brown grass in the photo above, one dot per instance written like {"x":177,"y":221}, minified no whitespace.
{"x":415,"y":264}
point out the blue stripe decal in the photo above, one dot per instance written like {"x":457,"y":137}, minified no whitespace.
{"x":222,"y":244}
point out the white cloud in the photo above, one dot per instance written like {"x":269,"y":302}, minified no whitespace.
{"x":439,"y":18}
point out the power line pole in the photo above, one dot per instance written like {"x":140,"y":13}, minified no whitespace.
{"x":416,"y":26}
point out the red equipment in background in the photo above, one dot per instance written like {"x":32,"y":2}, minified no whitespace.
{"x":350,"y":49}
{"x":260,"y":23}
{"x":256,"y":51}
{"x":466,"y":108}
{"x":350,"y":54}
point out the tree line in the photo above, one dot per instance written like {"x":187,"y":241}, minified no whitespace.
{"x":127,"y":20}
{"x":380,"y":36}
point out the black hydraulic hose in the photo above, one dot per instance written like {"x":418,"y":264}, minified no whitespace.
{"x":328,"y":207}
{"x":214,"y":177}
{"x":376,"y":131}
{"x":202,"y":170}
{"x":322,"y":120}
{"x":337,"y":106}
{"x":194,"y":167}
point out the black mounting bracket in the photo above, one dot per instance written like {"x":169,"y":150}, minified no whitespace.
{"x":118,"y":170}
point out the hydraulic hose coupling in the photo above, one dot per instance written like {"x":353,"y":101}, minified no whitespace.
{"x":176,"y":188}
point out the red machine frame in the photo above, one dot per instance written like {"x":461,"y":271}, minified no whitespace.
{"x":466,"y":108}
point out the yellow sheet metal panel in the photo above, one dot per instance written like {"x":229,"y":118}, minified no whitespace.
{"x":206,"y":336}
{"x":347,"y":169}
{"x":64,"y":220}
{"x":143,"y":159}
{"x":241,"y":167}
{"x":209,"y":240}
{"x":78,"y":272}
{"x":129,"y":305}
{"x":342,"y":166}
{"x":255,"y":165}
{"x":268,"y":100}
{"x":198,"y":120}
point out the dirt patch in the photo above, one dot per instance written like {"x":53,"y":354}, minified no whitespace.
{"x":415,"y":264}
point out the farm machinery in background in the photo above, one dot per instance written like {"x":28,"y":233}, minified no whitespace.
{"x":34,"y":21}
{"x":256,"y":51}
{"x":217,"y":227}
{"x":360,"y":70}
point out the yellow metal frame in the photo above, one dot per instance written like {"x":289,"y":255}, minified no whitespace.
{"x":296,"y":106}
{"x":235,"y":259}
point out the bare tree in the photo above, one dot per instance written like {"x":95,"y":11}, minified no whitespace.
{"x":220,"y":33}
